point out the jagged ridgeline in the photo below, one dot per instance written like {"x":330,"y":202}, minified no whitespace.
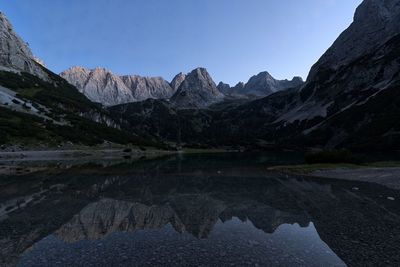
{"x":39,"y":107}
{"x":55,"y":112}
{"x":349,"y":100}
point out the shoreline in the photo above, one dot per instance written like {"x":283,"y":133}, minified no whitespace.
{"x":71,"y":154}
{"x":382,"y":173}
{"x":96,"y":152}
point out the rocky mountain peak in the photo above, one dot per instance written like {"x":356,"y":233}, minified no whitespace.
{"x":201,"y":75}
{"x":375,"y":22}
{"x":240,"y":85}
{"x":102,"y":86}
{"x":264,"y":75}
{"x":297,"y":79}
{"x":377,"y":10}
{"x":263,"y":84}
{"x":15,"y":54}
{"x":198,"y":90}
{"x":148,"y":87}
{"x":177,"y":81}
{"x":224,"y":88}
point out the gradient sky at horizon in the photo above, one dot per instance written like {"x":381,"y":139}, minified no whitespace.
{"x":233,"y":39}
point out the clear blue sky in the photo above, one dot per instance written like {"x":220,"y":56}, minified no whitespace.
{"x":233,"y":39}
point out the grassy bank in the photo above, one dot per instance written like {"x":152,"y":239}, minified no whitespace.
{"x":310,"y":168}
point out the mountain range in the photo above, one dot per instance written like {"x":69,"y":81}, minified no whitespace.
{"x":260,"y":85}
{"x":198,"y":88}
{"x":102,"y":86}
{"x":349,"y":100}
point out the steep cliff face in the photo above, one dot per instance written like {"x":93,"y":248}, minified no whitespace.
{"x":349,"y":99}
{"x":15,"y":54}
{"x":347,"y":102}
{"x":39,"y":108}
{"x":239,"y":87}
{"x":224,"y":88}
{"x":107,"y":216}
{"x":177,"y":81}
{"x":361,"y":67}
{"x":264,"y":84}
{"x":198,"y":90}
{"x":102,"y":86}
{"x":351,"y":70}
{"x":375,"y":23}
{"x":260,"y":85}
{"x":99,"y":85}
{"x":148,"y":87}
{"x":366,"y":114}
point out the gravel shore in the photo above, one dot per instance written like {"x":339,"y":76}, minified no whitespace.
{"x":389,"y":177}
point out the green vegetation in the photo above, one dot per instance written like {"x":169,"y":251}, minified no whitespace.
{"x":20,"y":128}
{"x":309,"y":168}
{"x":59,"y":95}
{"x":333,"y":159}
{"x":66,"y":102}
{"x":23,"y":128}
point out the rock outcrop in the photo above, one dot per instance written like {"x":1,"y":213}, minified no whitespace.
{"x":198,"y":90}
{"x":148,"y":87}
{"x":359,"y":64}
{"x":107,"y":216}
{"x":15,"y":54}
{"x":375,"y":22}
{"x":350,"y":99}
{"x":239,"y":87}
{"x":264,"y":84}
{"x":177,"y":81}
{"x":260,"y":85}
{"x":224,"y":88}
{"x":102,"y":86}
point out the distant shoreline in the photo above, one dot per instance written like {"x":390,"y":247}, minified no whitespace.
{"x":95,"y":153}
{"x":70,"y":154}
{"x":383,"y":173}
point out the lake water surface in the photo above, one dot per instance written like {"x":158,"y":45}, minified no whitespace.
{"x":194,"y":210}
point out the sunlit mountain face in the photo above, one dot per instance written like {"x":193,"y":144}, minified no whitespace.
{"x":195,"y":210}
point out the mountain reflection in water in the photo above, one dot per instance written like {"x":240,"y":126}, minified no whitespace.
{"x":196,"y":210}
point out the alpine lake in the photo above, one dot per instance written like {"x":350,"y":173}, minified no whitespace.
{"x":224,"y":209}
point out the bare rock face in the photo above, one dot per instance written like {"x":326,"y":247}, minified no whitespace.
{"x":15,"y":55}
{"x":375,"y":22}
{"x":349,"y":99}
{"x":264,"y":84}
{"x":177,"y":81}
{"x":198,"y":90}
{"x":260,"y":85}
{"x":102,"y":86}
{"x":357,"y":66}
{"x":239,"y":87}
{"x":107,"y":216}
{"x":99,"y":85}
{"x":295,"y":82}
{"x":148,"y":87}
{"x":224,"y":88}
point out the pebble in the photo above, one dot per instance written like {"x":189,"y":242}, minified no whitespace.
{"x":391,"y":198}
